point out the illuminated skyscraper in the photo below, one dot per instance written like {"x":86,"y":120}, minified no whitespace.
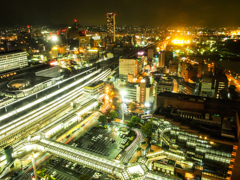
{"x":73,"y":31}
{"x":29,"y":30}
{"x":111,"y":23}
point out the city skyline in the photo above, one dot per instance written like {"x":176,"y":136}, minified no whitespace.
{"x":125,"y":90}
{"x":154,"y":13}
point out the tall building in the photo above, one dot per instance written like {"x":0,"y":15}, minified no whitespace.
{"x":145,"y":92}
{"x":29,"y":30}
{"x":220,"y":80}
{"x":161,"y":59}
{"x":206,"y":87}
{"x":73,"y":31}
{"x":168,"y":57}
{"x":164,"y":58}
{"x":13,"y":60}
{"x":150,"y":55}
{"x":111,"y":24}
{"x":141,"y":92}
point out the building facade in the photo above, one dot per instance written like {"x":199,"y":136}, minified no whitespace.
{"x":13,"y":60}
{"x":94,"y":89}
{"x":111,"y":25}
{"x":129,"y":66}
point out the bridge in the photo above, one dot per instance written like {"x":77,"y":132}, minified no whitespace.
{"x":82,"y":157}
{"x":94,"y":161}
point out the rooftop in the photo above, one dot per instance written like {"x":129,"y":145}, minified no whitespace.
{"x":11,"y":52}
{"x":95,"y":83}
{"x":203,"y":122}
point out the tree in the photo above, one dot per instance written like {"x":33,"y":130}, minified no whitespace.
{"x":113,"y":114}
{"x":135,"y":119}
{"x":84,"y":177}
{"x":102,"y":119}
{"x":131,"y":124}
{"x":147,"y":129}
{"x":108,"y":113}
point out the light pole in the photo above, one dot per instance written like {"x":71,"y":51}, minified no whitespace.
{"x":123,"y":93}
{"x":34,"y":167}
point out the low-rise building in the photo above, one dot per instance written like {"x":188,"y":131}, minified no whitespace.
{"x":94,"y":89}
{"x":165,"y":85}
{"x":13,"y":60}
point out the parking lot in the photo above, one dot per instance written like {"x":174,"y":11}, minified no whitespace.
{"x":67,"y":170}
{"x":104,"y":142}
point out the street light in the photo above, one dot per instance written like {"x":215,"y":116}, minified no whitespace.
{"x":123,"y":93}
{"x":54,"y":38}
{"x":34,"y":167}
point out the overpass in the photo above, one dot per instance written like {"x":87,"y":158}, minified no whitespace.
{"x":94,"y":161}
{"x":90,"y":160}
{"x":82,"y":157}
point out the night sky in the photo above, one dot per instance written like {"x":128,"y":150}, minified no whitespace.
{"x":129,"y":12}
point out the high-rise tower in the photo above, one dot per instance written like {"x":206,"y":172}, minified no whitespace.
{"x":111,"y":23}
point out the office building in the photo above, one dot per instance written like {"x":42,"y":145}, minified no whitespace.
{"x":161,"y":59}
{"x":173,"y":69}
{"x":141,"y":92}
{"x":131,"y":91}
{"x":164,"y":58}
{"x":206,"y":88}
{"x":73,"y":31}
{"x":220,"y":83}
{"x":13,"y":60}
{"x":29,"y":30}
{"x":168,"y":57}
{"x":111,"y":24}
{"x":220,"y":80}
{"x":150,"y":55}
{"x":145,"y":92}
{"x":190,"y":74}
{"x":165,"y":85}
{"x":129,"y":66}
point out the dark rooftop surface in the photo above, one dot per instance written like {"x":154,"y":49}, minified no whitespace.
{"x":213,"y":130}
{"x":95,"y":83}
{"x":34,"y":80}
{"x":207,"y":101}
{"x":11,"y":52}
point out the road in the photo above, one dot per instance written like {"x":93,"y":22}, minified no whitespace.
{"x":234,"y":81}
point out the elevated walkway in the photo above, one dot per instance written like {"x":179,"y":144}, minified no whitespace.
{"x":82,"y":157}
